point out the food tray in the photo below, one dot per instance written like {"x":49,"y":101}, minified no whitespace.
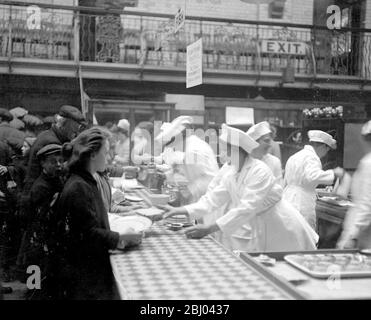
{"x":344,"y":265}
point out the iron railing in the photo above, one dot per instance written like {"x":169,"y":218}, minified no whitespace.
{"x":87,"y":34}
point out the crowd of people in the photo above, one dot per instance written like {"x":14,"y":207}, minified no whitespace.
{"x":55,"y":194}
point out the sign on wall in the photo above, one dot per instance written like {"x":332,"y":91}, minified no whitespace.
{"x":194,"y":64}
{"x":283,"y":47}
{"x":239,"y":116}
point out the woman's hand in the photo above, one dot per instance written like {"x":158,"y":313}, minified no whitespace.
{"x":200,"y":231}
{"x":339,"y":172}
{"x":172,"y":211}
{"x":130,"y":238}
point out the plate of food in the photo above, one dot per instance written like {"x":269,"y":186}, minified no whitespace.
{"x":122,"y":224}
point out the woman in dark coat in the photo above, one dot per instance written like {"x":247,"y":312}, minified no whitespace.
{"x":84,"y":236}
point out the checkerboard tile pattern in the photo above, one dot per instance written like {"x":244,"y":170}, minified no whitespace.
{"x":176,"y":268}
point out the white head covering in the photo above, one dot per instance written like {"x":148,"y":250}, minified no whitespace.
{"x":323,"y":137}
{"x":124,"y":124}
{"x":165,"y":126}
{"x":174,"y":128}
{"x":259,"y":130}
{"x":366,"y":129}
{"x":238,"y":138}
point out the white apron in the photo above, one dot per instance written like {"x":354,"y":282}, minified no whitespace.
{"x":257,"y":219}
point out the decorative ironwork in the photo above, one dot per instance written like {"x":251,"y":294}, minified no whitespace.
{"x":130,"y":38}
{"x":285,"y":34}
{"x":108,"y":36}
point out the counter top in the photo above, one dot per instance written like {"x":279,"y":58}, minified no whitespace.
{"x":168,"y":266}
{"x":333,"y":288}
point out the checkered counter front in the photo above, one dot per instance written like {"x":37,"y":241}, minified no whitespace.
{"x":172,"y":267}
{"x":168,"y":266}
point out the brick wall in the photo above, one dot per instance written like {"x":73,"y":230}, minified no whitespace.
{"x":296,"y":11}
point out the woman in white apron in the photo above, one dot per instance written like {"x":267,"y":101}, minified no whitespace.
{"x":262,"y":134}
{"x":304,"y":173}
{"x":257,"y":220}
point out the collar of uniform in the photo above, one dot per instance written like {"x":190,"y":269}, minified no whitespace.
{"x":309,"y":148}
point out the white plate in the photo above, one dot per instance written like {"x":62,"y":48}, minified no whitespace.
{"x":121,"y":224}
{"x":150,"y":212}
{"x":133,"y":198}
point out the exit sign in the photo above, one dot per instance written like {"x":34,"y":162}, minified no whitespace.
{"x":283,"y":47}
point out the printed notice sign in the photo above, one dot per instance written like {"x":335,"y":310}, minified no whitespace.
{"x":194,"y":64}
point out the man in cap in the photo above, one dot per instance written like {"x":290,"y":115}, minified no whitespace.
{"x":304,"y":172}
{"x":69,"y":121}
{"x":193,"y":156}
{"x":262,"y":134}
{"x":6,"y":129}
{"x":122,"y":148}
{"x":37,"y":238}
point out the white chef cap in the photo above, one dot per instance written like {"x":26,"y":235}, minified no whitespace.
{"x":238,"y":138}
{"x":124,"y":124}
{"x":323,"y":137}
{"x":259,"y":130}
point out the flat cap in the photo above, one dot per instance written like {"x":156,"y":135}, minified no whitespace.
{"x":5,"y":114}
{"x":31,"y":120}
{"x":71,"y":112}
{"x":17,"y":124}
{"x":18,"y":112}
{"x":49,"y":149}
{"x":49,"y":119}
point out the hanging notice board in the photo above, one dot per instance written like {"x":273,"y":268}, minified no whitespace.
{"x":353,"y":148}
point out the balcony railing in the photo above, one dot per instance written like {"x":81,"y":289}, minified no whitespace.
{"x":83,"y":34}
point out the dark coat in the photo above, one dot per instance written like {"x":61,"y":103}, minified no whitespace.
{"x":38,"y":241}
{"x":51,"y":136}
{"x":38,"y":237}
{"x":84,"y":238}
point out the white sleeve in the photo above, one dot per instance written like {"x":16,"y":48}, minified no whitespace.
{"x":313,"y":172}
{"x":362,"y":210}
{"x":211,"y":201}
{"x":254,"y":200}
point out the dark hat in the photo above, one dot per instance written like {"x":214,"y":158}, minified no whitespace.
{"x":49,"y":150}
{"x":5,"y":114}
{"x":71,"y":112}
{"x":32,"y":121}
{"x":49,"y":119}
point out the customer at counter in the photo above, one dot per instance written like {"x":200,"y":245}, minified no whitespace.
{"x":38,"y":238}
{"x":357,"y":224}
{"x":194,"y":157}
{"x":304,"y":172}
{"x":262,"y":134}
{"x":254,"y":197}
{"x":84,"y":236}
